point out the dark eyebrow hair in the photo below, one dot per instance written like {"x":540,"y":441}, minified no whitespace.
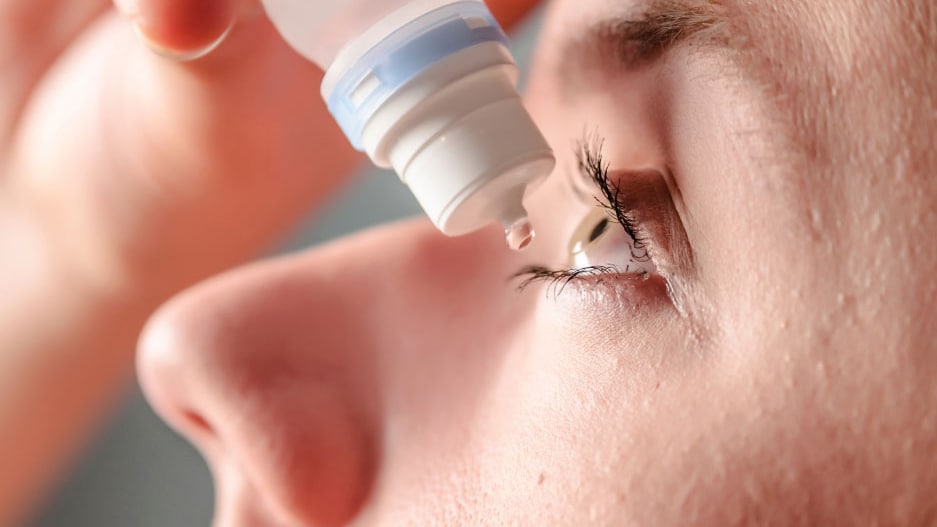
{"x":635,"y":38}
{"x":662,"y":25}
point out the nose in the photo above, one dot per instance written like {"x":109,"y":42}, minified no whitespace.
{"x":286,"y":374}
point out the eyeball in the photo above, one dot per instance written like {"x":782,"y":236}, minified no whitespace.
{"x":599,"y":241}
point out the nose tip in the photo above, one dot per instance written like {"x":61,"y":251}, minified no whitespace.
{"x":218,"y":365}
{"x":165,"y":374}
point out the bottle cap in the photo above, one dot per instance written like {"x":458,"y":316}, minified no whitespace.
{"x":476,"y":167}
{"x":436,"y":100}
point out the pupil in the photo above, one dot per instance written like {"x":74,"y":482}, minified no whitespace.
{"x":598,"y":230}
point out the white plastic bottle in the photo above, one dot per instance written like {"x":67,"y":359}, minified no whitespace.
{"x":428,"y":88}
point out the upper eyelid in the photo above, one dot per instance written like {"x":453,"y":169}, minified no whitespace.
{"x":651,"y":198}
{"x":636,"y":185}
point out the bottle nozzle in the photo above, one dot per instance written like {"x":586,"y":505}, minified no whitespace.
{"x":519,"y":234}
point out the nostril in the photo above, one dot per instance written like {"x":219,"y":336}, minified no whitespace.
{"x":198,"y":422}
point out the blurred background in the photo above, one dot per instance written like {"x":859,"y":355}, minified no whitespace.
{"x":138,"y":472}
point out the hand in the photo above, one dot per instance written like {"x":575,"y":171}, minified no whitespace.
{"x":145,"y":173}
{"x":127,"y":175}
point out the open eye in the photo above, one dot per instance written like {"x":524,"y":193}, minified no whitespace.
{"x":599,"y":241}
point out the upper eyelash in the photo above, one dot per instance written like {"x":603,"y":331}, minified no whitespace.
{"x":594,"y":166}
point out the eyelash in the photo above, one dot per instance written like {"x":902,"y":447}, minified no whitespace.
{"x":592,"y":164}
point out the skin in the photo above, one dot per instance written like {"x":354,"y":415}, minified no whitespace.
{"x":124,"y":179}
{"x":779,"y":369}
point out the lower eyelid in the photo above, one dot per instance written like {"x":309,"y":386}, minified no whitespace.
{"x":602,"y":287}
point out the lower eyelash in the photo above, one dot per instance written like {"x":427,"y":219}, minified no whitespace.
{"x":560,"y":278}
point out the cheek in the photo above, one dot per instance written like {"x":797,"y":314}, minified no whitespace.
{"x":620,"y":412}
{"x":626,"y":420}
{"x":581,"y":409}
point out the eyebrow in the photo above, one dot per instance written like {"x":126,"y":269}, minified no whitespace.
{"x":637,"y":38}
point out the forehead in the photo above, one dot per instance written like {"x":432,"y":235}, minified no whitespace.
{"x":825,"y":66}
{"x":594,"y":40}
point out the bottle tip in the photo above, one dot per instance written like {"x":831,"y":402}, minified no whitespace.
{"x":519,"y":234}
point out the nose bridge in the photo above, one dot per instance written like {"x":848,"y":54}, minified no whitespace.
{"x":440,"y":298}
{"x":428,"y":303}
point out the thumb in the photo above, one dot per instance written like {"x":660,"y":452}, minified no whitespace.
{"x":238,"y":141}
{"x":181,"y":28}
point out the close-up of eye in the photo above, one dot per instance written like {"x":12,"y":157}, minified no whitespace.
{"x":609,"y":239}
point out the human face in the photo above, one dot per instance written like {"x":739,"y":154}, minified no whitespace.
{"x":770,"y":361}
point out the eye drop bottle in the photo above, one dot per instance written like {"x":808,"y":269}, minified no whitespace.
{"x":428,"y":88}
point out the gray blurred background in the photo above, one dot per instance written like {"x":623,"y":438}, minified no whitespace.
{"x":138,"y":472}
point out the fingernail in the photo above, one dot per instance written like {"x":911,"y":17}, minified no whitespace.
{"x":179,"y":55}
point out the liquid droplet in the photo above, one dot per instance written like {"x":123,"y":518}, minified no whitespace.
{"x":519,"y":234}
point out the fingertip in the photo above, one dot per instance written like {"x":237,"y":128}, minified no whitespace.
{"x":181,"y":29}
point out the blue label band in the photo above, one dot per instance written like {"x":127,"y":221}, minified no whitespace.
{"x":403,"y":55}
